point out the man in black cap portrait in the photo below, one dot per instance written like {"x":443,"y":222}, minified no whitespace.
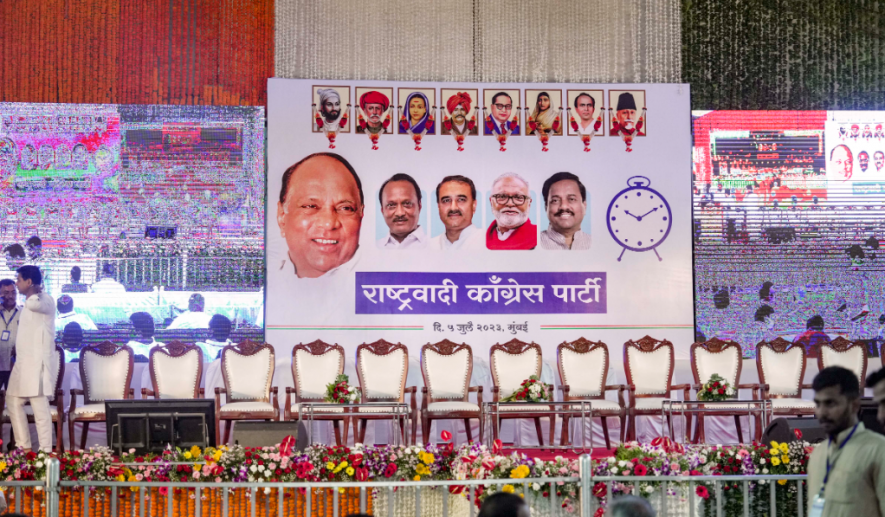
{"x":627,"y":122}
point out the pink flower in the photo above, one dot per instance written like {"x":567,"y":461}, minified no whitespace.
{"x":139,"y":477}
{"x":218,"y":480}
{"x":563,"y":470}
{"x":702,"y":492}
{"x":196,"y":474}
{"x":674,"y":467}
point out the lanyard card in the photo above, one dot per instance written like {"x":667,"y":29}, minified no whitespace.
{"x":4,"y":336}
{"x":817,"y":507}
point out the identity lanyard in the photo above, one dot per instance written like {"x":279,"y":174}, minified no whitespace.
{"x":831,"y":465}
{"x":11,"y":319}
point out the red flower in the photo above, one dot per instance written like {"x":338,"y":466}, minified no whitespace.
{"x":721,"y":391}
{"x":702,"y":492}
{"x":599,"y":489}
{"x":390,"y":470}
{"x":640,"y":470}
{"x":600,"y":512}
{"x":362,"y":474}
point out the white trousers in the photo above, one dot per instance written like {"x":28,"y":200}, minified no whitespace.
{"x":42,"y":419}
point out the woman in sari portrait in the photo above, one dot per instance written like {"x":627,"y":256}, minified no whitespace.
{"x":416,"y":119}
{"x":544,"y":115}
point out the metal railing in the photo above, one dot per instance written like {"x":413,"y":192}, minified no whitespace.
{"x":722,"y":496}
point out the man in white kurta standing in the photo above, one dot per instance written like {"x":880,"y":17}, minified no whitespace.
{"x":31,"y":378}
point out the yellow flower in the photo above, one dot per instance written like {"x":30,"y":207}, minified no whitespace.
{"x":341,"y":490}
{"x":508,"y":489}
{"x":784,"y":448}
{"x":785,"y":459}
{"x":416,"y":478}
{"x":774,"y":451}
{"x":195,"y":451}
{"x":775,"y":461}
{"x":781,"y":481}
{"x":121,"y":478}
{"x":2,"y":465}
{"x":131,"y":479}
{"x":188,"y":455}
{"x":217,"y":455}
{"x":774,"y":444}
{"x":427,"y":458}
{"x":342,"y":464}
{"x":197,"y":467}
{"x":349,"y":471}
{"x":520,"y":472}
{"x":330,"y":466}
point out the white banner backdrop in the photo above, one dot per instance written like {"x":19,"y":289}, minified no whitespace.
{"x":634,"y":278}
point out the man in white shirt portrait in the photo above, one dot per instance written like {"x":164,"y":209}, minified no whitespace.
{"x":67,"y":314}
{"x":219,"y":330}
{"x":565,"y":199}
{"x":400,"y":199}
{"x":456,"y":200}
{"x":143,"y":323}
{"x":320,"y":214}
{"x":194,"y":317}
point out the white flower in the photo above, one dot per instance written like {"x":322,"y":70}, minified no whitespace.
{"x":38,"y":464}
{"x":649,"y":489}
{"x":762,"y":461}
{"x":765,"y":471}
{"x":615,"y":471}
{"x":267,"y":473}
{"x":266,"y":490}
{"x":536,"y":486}
{"x":253,"y":468}
{"x":260,"y":468}
{"x":622,"y":463}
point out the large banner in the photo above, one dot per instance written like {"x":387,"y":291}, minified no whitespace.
{"x":478,"y":213}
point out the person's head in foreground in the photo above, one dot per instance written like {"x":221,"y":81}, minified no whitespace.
{"x":629,"y":506}
{"x":320,"y":213}
{"x":836,"y":399}
{"x":876,"y":380}
{"x":510,"y":201}
{"x":502,"y":504}
{"x":29,"y":279}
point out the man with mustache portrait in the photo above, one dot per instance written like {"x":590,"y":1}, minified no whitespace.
{"x":375,"y":105}
{"x":456,"y":199}
{"x":512,"y":229}
{"x":400,"y":199}
{"x":330,"y":106}
{"x":565,"y":199}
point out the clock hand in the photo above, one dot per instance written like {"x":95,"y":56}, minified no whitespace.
{"x":631,"y":215}
{"x":650,"y":211}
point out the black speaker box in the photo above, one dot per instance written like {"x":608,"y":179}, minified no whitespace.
{"x":268,"y":434}
{"x":783,"y":430}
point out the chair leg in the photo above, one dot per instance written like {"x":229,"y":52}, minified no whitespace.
{"x":425,"y":428}
{"x":468,"y":430}
{"x":563,"y":439}
{"x":217,"y":431}
{"x":11,"y":437}
{"x":59,"y":435}
{"x":337,"y":426}
{"x":631,"y":428}
{"x":700,"y":434}
{"x":363,"y":423}
{"x":623,"y":420}
{"x":71,"y":432}
{"x":552,"y":436}
{"x":608,"y":442}
{"x":737,"y":424}
{"x":83,"y":436}
{"x":346,"y":425}
{"x":540,"y":433}
{"x":228,"y":424}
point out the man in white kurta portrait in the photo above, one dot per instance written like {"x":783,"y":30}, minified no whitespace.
{"x":31,"y":378}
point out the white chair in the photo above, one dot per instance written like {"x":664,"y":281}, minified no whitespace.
{"x":511,"y":364}
{"x":382,"y":368}
{"x":248,"y":369}
{"x":106,"y":372}
{"x":447,"y":369}
{"x":781,"y":367}
{"x":649,"y":366}
{"x":56,"y":409}
{"x":583,"y":369}
{"x":723,"y":358}
{"x":847,"y":354}
{"x":315,"y":366}
{"x":176,"y":370}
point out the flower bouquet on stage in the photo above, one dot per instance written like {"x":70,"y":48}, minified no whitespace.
{"x":531,"y":390}
{"x":716,"y":389}
{"x":341,"y":392}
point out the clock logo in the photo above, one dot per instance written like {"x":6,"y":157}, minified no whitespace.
{"x":639,"y":218}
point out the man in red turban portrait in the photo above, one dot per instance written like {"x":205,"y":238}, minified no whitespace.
{"x":374,"y":104}
{"x":458,"y":106}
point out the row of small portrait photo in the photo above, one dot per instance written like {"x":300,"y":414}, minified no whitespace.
{"x":322,"y":205}
{"x":509,"y":216}
{"x":456,"y":111}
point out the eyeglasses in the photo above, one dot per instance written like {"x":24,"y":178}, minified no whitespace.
{"x":502,"y":199}
{"x":503,"y":106}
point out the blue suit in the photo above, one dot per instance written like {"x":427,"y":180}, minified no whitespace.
{"x":514,"y":128}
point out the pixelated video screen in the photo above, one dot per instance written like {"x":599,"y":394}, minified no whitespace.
{"x":146,"y":221}
{"x":788,"y":217}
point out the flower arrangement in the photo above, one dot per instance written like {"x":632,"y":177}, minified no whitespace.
{"x":531,"y":390}
{"x":716,"y":389}
{"x":341,"y":392}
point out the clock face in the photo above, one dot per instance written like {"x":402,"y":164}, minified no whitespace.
{"x":639,"y":218}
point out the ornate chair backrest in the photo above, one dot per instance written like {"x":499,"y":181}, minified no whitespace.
{"x":176,"y":370}
{"x":382,"y":368}
{"x":781,"y":365}
{"x":719,"y":357}
{"x":314,"y":366}
{"x":248,"y":369}
{"x":649,"y":366}
{"x":513,"y":362}
{"x":847,"y":354}
{"x":447,"y":368}
{"x":106,"y":372}
{"x":583,"y":367}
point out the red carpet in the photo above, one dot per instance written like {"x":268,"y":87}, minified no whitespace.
{"x":547,"y":454}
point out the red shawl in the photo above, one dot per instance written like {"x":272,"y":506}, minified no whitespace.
{"x":524,"y":237}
